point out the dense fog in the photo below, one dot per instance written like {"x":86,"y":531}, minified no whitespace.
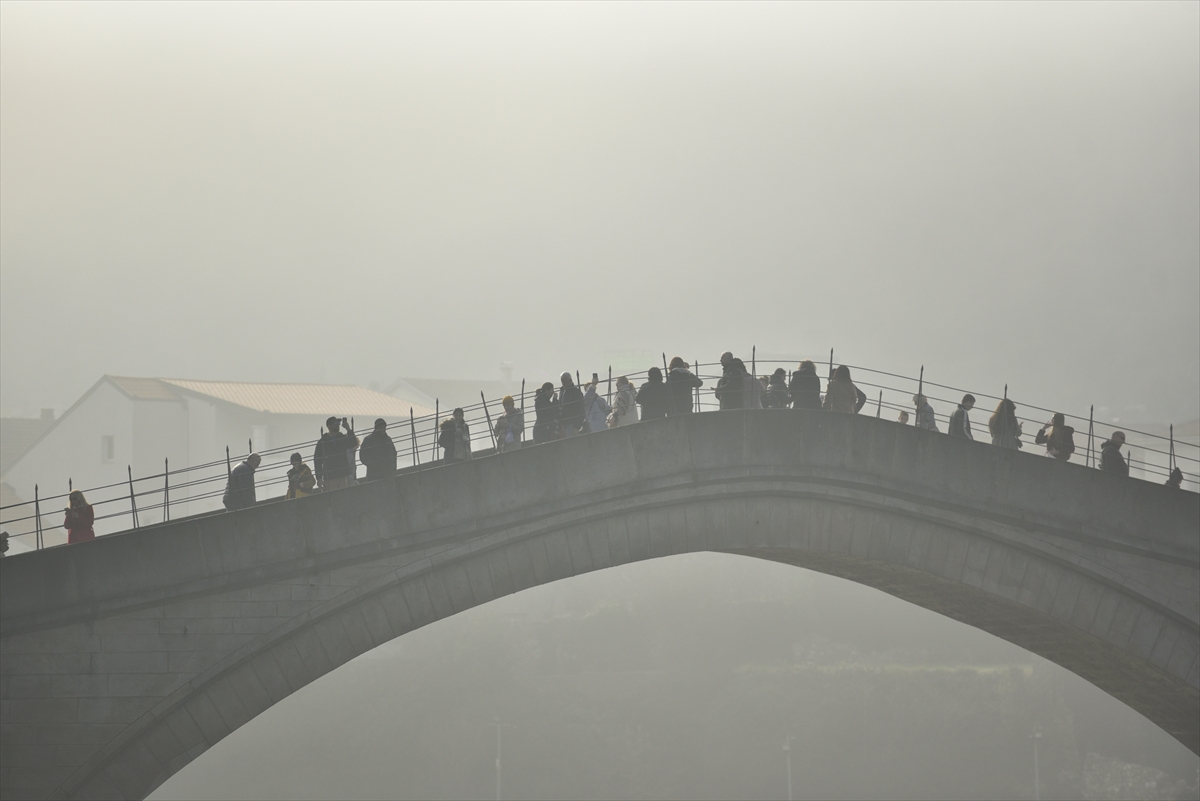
{"x":1005,"y":194}
{"x":680,"y":678}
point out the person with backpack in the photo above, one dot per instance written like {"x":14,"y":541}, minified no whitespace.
{"x":331,"y":457}
{"x":1058,"y":437}
{"x":681,"y":385}
{"x":805,"y":387}
{"x":378,"y":452}
{"x":624,"y":406}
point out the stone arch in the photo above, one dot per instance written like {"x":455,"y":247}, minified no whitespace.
{"x":973,"y":567}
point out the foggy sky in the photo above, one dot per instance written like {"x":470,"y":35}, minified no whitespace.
{"x":1003,"y":193}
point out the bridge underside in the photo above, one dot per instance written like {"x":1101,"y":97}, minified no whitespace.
{"x":125,"y":658}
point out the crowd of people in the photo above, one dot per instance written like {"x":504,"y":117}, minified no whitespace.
{"x":569,"y":411}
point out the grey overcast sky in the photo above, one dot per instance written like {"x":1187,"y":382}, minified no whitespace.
{"x":299,"y":192}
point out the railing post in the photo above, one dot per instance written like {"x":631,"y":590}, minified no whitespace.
{"x":879,"y":405}
{"x":1171,"y":453}
{"x":37,"y":516}
{"x":696,"y":363}
{"x":412,"y":426}
{"x":436,"y":414}
{"x":166,"y":489}
{"x":229,"y":467}
{"x":753,"y":361}
{"x":489,"y":420}
{"x":831,"y":362}
{"x":920,"y":396}
{"x":132,"y":500}
{"x":1091,"y":431}
{"x":609,"y":387}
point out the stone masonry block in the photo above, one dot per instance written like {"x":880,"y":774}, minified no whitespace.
{"x":312,"y":653}
{"x":374,"y":618}
{"x":577,"y":546}
{"x":78,"y":686}
{"x":270,"y":676}
{"x":439,"y":595}
{"x":225,"y":700}
{"x":1145,"y":633}
{"x":618,"y":540}
{"x":131,"y":769}
{"x":144,"y":684}
{"x":1171,"y":633}
{"x":335,"y":642}
{"x":480,"y":576}
{"x":658,"y":525}
{"x":26,"y":686}
{"x":1086,"y":603}
{"x":520,"y":565}
{"x":113,"y":710}
{"x":192,"y":662}
{"x":978,"y":551}
{"x":1124,"y":620}
{"x":1187,"y":649}
{"x":41,"y":664}
{"x":43,"y":710}
{"x":638,"y":528}
{"x":250,"y":691}
{"x":596,"y":534}
{"x":502,"y":582}
{"x":130,"y":662}
{"x":72,"y":755}
{"x":1069,"y":587}
{"x":394,"y":605}
{"x":417,"y":597}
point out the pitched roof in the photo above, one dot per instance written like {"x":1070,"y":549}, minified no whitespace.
{"x":144,"y":388}
{"x":451,"y":392}
{"x":16,"y":435}
{"x":306,"y":399}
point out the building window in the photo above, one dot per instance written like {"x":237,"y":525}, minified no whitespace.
{"x":108,"y":449}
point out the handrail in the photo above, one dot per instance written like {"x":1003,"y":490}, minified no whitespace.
{"x":416,"y":434}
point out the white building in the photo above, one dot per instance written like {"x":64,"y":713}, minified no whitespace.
{"x":128,"y":425}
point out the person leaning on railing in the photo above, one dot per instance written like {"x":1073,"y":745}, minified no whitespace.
{"x":79,"y":519}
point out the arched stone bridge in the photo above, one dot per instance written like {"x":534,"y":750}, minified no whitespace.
{"x":125,"y":658}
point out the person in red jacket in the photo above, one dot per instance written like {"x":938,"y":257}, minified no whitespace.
{"x":80,"y":517}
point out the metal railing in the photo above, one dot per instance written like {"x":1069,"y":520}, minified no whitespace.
{"x":197,"y":489}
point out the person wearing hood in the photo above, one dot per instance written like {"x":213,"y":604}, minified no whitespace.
{"x":1058,"y":437}
{"x":731,"y":388}
{"x":1004,"y":426}
{"x":545,"y":406}
{"x":652,"y":396}
{"x":624,"y":407}
{"x":1111,"y":460}
{"x":777,"y":395}
{"x":805,"y":387}
{"x":960,"y":422}
{"x":681,"y":386}
{"x":570,"y":406}
{"x":378,"y":452}
{"x":595,"y":407}
{"x":926,"y":419}
{"x":841,"y":395}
